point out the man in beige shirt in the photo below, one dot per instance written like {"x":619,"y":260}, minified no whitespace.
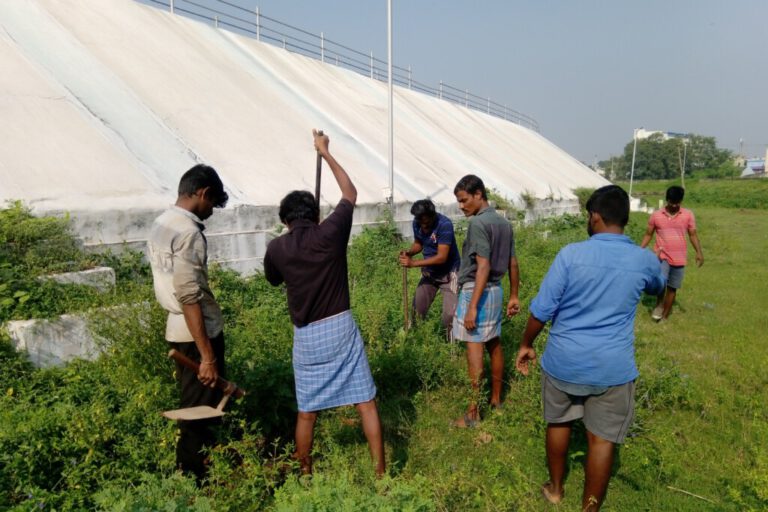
{"x":178,"y":254}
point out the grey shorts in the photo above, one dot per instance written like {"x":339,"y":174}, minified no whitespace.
{"x":673,"y":274}
{"x":607,"y":415}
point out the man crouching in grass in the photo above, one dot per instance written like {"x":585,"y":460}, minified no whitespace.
{"x":329,"y":362}
{"x":590,"y":293}
{"x":487,"y":254}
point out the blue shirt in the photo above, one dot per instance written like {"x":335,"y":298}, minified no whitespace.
{"x":591,"y":293}
{"x":441,"y":234}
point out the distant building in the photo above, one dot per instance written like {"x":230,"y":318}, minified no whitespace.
{"x":642,"y":133}
{"x":755,"y":168}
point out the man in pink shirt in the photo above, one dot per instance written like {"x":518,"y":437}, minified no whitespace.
{"x":670,"y":225}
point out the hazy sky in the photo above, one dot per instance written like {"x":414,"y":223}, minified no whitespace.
{"x":589,"y":71}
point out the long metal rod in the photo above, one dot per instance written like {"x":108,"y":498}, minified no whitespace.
{"x":391,"y":198}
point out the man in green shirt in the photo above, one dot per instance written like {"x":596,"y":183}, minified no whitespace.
{"x":487,"y":254}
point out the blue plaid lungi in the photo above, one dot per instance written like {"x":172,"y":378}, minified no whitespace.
{"x":489,"y":314}
{"x":329,"y":364}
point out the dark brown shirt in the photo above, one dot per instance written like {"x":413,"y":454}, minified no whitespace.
{"x":311,"y":259}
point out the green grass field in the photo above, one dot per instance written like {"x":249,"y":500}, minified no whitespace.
{"x":89,"y":436}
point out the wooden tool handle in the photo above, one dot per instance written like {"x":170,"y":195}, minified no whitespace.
{"x":406,"y":306}
{"x":227,"y":387}
{"x":317,"y":174}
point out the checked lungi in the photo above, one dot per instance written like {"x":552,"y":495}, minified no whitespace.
{"x":329,"y":364}
{"x":489,"y":314}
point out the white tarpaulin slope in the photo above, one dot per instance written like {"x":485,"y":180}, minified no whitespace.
{"x":106,"y":103}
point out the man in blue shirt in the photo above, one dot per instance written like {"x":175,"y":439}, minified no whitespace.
{"x":590,"y":294}
{"x":433,"y":236}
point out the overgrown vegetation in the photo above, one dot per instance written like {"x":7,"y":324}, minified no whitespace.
{"x":89,"y":435}
{"x":32,"y":247}
{"x":750,"y":194}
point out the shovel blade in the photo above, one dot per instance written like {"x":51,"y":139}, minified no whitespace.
{"x":201,"y":412}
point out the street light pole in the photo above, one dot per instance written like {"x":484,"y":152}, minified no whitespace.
{"x":391,"y":198}
{"x":682,"y":171}
{"x":634,"y":152}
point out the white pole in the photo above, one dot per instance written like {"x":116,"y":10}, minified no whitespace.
{"x":258,"y":24}
{"x":171,"y":5}
{"x":322,"y":47}
{"x":632,"y":171}
{"x":682,"y":173}
{"x":391,"y":117}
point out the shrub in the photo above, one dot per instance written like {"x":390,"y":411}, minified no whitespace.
{"x":583,"y":195}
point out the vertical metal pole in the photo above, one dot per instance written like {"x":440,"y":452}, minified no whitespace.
{"x":283,"y":43}
{"x":322,"y":47}
{"x":632,"y":171}
{"x":371,"y":63}
{"x":682,"y":172}
{"x":440,"y":90}
{"x":171,"y":4}
{"x":216,"y":21}
{"x":466,"y":97}
{"x":391,"y":117}
{"x":258,"y":24}
{"x":488,"y":105}
{"x":409,"y":76}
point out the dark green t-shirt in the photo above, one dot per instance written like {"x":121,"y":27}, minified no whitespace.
{"x":489,"y":236}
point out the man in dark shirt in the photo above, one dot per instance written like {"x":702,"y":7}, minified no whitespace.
{"x":433,"y":236}
{"x":329,"y":362}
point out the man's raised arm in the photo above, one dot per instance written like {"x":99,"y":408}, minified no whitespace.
{"x":348,"y":190}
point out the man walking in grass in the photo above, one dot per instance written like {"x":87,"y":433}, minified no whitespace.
{"x":671,"y":224}
{"x":329,"y":362}
{"x":433,"y":235}
{"x":590,"y":294}
{"x":178,"y":255}
{"x":487,"y":254}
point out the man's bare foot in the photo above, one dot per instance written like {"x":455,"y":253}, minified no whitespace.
{"x":305,"y":463}
{"x":548,"y":491}
{"x":467,"y":421}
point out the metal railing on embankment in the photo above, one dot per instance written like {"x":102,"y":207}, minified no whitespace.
{"x":253,"y":23}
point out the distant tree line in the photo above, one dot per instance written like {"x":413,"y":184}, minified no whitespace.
{"x":659,"y":158}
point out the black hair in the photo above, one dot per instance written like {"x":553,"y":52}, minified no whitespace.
{"x":675,"y":194}
{"x":612,"y":203}
{"x":202,"y":176}
{"x":297,"y":205}
{"x":423,"y":208}
{"x":470,"y":184}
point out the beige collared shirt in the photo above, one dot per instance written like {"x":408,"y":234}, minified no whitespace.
{"x":178,"y":255}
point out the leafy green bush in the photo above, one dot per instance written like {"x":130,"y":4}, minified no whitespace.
{"x":36,"y":245}
{"x":583,"y":194}
{"x":342,"y":492}
{"x":31,"y":247}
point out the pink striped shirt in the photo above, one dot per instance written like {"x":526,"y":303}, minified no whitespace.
{"x":671,"y":230}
